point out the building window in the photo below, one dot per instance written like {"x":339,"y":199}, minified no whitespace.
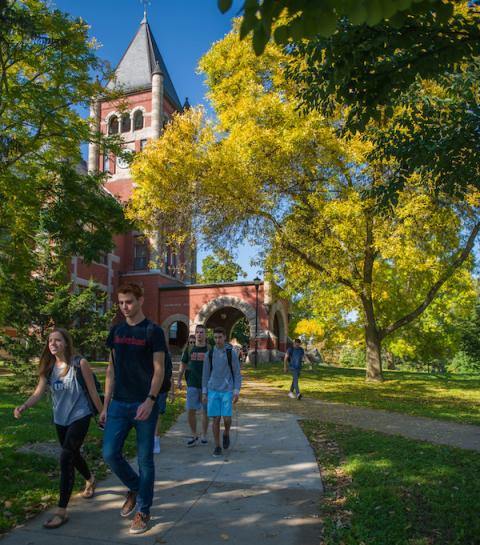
{"x":106,"y":163}
{"x":138,"y":120}
{"x":140,"y":253}
{"x":143,"y":143}
{"x":113,"y":125}
{"x":126,"y":123}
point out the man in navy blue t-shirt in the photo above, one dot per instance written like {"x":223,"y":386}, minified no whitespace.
{"x":294,"y":358}
{"x":133,"y":381}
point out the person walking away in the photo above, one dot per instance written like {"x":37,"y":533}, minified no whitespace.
{"x":221,"y":383}
{"x":192,"y":368}
{"x":59,"y":371}
{"x":134,"y":377}
{"x":294,"y":358}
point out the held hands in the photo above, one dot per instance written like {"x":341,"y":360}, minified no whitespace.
{"x":144,"y":410}
{"x":179,"y":384}
{"x":102,"y":417}
{"x":204,"y":398}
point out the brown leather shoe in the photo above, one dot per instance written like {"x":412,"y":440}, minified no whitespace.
{"x":139,"y":523}
{"x":129,"y":504}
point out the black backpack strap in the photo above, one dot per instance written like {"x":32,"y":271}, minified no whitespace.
{"x":149,"y":338}
{"x":229,"y":359}
{"x":210,"y":357}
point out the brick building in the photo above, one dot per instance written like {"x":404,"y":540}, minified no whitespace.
{"x":167,"y":275}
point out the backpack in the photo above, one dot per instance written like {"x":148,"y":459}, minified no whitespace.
{"x":83,"y":384}
{"x":229,"y":359}
{"x":167,"y":377}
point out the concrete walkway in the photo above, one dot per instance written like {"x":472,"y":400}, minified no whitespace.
{"x":266,"y":490}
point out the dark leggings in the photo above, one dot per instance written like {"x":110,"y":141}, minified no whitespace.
{"x":71,"y":439}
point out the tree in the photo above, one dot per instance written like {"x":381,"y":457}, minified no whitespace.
{"x":368,"y":68}
{"x":46,"y":61}
{"x":49,"y":301}
{"x":219,"y":268}
{"x":301,"y":19}
{"x":309,"y":194}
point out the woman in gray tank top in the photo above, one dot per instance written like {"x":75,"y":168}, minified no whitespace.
{"x":71,"y":413}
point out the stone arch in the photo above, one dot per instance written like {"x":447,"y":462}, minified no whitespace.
{"x":175,"y":318}
{"x":278,"y":311}
{"x":182,"y":338}
{"x":225,"y":301}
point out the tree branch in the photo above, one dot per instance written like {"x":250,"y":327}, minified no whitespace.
{"x":436,"y":287}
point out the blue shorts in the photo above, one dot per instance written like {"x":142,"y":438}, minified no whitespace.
{"x":219,"y":403}
{"x":194,"y":399}
{"x":162,"y":402}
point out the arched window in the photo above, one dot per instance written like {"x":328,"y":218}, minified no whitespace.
{"x":138,"y":120}
{"x":126,"y":123}
{"x":113,"y":125}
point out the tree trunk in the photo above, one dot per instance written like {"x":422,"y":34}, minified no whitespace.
{"x":374,"y":354}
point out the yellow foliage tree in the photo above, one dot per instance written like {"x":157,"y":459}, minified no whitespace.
{"x":266,"y":174}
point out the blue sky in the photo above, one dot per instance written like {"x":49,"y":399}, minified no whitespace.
{"x":184,"y":30}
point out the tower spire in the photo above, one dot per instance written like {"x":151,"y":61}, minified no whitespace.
{"x":145,"y":4}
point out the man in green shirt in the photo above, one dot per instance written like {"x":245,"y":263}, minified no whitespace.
{"x":192,"y":360}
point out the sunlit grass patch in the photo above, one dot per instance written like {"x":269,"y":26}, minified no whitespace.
{"x":453,"y":397}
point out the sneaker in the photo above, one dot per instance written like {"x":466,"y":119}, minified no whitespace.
{"x":129,"y":504}
{"x":204,"y":441}
{"x":192,"y":441}
{"x":291,"y":395}
{"x":217,"y":451}
{"x":156,"y":445}
{"x":226,"y":441}
{"x":299,"y":396}
{"x":139,"y":523}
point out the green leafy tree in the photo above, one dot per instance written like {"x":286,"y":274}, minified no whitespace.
{"x":219,"y":268}
{"x":46,"y":61}
{"x":48,"y":301}
{"x":301,"y":19}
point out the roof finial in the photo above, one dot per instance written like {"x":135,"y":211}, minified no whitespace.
{"x":145,"y":4}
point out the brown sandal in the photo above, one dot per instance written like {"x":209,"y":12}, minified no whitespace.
{"x":50,"y":525}
{"x":89,"y":490}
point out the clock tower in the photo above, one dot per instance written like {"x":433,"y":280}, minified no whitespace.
{"x":146,"y":101}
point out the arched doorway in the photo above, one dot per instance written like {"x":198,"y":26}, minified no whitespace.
{"x":177,"y":336}
{"x":226,"y":312}
{"x":176,"y":330}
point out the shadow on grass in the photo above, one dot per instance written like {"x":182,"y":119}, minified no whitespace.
{"x":399,"y":491}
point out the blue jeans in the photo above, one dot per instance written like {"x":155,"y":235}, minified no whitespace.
{"x":120,"y":420}
{"x":295,"y":376}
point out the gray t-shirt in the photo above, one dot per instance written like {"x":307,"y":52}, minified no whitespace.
{"x":68,"y":398}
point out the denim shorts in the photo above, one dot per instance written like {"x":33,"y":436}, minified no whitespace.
{"x":219,"y":403}
{"x":194,"y":399}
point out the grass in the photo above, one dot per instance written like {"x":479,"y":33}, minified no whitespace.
{"x":29,"y":483}
{"x":384,"y":490}
{"x":449,"y":397}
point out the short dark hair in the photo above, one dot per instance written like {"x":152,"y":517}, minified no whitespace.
{"x":132,"y":288}
{"x":221,"y":330}
{"x":298,"y":341}
{"x":202,"y":326}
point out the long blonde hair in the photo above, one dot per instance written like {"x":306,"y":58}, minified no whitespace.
{"x":47,"y":359}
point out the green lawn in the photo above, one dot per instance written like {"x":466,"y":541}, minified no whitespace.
{"x":449,"y":397}
{"x":29,"y":482}
{"x":384,"y":490}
